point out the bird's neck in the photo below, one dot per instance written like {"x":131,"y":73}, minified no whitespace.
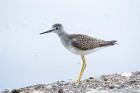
{"x":62,"y":33}
{"x":64,"y":37}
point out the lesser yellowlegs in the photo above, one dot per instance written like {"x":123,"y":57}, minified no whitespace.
{"x":79,"y":44}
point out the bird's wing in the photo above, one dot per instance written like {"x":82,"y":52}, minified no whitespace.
{"x":85,"y":42}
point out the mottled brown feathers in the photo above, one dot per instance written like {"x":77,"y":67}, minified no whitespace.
{"x":85,"y":42}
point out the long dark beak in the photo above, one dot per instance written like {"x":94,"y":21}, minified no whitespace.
{"x":47,"y":31}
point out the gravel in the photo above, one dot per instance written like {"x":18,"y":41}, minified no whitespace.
{"x":114,"y":83}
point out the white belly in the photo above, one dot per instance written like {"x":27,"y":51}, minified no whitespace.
{"x":81,"y":52}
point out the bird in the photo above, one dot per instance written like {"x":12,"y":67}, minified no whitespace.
{"x":79,"y":44}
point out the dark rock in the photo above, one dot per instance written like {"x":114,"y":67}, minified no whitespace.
{"x":111,"y":87}
{"x":15,"y":91}
{"x":60,"y":91}
{"x":91,"y":78}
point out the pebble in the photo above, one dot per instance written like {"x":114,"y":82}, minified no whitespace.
{"x":126,"y":74}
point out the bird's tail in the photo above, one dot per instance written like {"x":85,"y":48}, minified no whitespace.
{"x":113,"y":42}
{"x":108,"y":43}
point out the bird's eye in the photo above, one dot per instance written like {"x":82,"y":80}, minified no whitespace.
{"x":56,"y":28}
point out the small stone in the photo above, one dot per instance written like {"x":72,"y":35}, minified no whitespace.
{"x":126,"y":74}
{"x":132,"y":82}
{"x":111,"y":87}
{"x":105,"y":79}
{"x":87,"y":80}
{"x":137,"y":73}
{"x":91,"y":78}
{"x":15,"y":91}
{"x":49,"y":87}
{"x":60,"y":91}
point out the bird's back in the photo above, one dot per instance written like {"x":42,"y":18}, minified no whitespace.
{"x":85,"y":42}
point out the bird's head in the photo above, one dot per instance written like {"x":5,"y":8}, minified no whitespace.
{"x":56,"y":28}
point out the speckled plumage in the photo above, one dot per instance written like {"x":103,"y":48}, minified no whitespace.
{"x":85,"y":42}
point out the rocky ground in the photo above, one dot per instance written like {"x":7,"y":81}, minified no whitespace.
{"x":115,"y":83}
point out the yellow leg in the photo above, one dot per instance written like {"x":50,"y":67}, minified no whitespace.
{"x":82,"y":69}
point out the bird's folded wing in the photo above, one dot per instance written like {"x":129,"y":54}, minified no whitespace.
{"x":85,"y":42}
